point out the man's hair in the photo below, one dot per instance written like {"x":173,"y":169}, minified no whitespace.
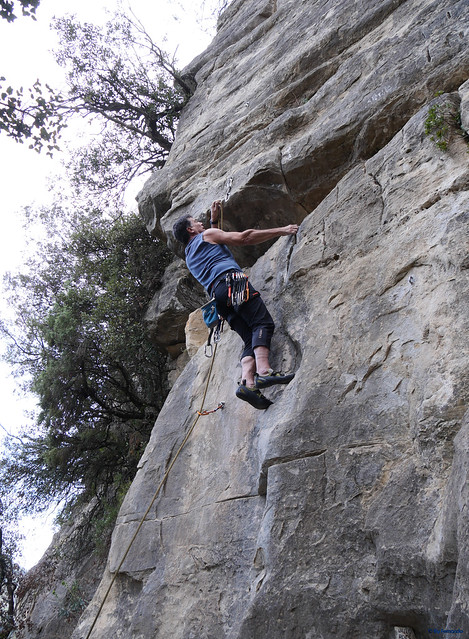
{"x":180,"y":229}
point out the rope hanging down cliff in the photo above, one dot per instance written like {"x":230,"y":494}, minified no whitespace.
{"x":200,"y":413}
{"x":256,"y":371}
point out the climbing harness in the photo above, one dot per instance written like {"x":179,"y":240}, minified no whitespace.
{"x":200,"y":413}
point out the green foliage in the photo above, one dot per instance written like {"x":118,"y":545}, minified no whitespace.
{"x":437,"y":125}
{"x":34,"y":119}
{"x":28,"y":8}
{"x":37,"y":120}
{"x":78,"y":341}
{"x":10,"y":572}
{"x":74,"y":602}
{"x":119,"y":77}
{"x":444,"y":120}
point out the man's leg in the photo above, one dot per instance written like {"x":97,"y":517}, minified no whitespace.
{"x":255,"y":326}
{"x":259,"y":320}
{"x":258,"y":364}
{"x":248,"y":369}
{"x":262,"y":365}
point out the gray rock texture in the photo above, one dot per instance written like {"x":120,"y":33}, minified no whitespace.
{"x":292,"y":94}
{"x":167,"y":314}
{"x":55,"y":592}
{"x":464,"y":93}
{"x":341,"y":511}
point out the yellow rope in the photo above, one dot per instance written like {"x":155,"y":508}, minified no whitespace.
{"x":189,"y":432}
{"x":165,"y":476}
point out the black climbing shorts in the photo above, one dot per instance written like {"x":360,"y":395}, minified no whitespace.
{"x":252,"y":321}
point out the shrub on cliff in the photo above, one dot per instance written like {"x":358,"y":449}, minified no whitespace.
{"x":78,"y":341}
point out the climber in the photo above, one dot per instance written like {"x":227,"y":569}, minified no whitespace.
{"x":212,"y":264}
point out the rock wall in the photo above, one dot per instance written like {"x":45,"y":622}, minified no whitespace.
{"x":53,"y":594}
{"x":342,"y":510}
{"x":292,"y":94}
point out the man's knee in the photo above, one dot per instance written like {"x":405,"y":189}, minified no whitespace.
{"x":262,"y":336}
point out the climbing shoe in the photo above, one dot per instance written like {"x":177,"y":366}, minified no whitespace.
{"x":252,"y":396}
{"x":271,"y":378}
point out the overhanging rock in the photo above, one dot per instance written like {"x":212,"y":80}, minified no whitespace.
{"x":168,"y":312}
{"x":291,"y":95}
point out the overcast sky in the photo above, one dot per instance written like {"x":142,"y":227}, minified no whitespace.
{"x":25,"y":54}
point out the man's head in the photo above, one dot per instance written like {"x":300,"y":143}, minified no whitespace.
{"x":186,"y":228}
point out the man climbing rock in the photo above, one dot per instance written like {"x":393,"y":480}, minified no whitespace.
{"x":212,"y":264}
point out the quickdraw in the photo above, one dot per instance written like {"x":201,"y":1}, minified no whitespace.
{"x":238,"y":288}
{"x":214,"y":332}
{"x":228,"y":188}
{"x":220,"y":406}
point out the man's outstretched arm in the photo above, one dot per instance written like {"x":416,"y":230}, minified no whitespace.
{"x":250,"y":236}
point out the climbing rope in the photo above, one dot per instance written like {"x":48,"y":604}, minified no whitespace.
{"x":220,"y":221}
{"x":200,"y":413}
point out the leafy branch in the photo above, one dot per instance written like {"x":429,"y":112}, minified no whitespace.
{"x":39,"y":121}
{"x":28,"y":7}
{"x":79,"y":341}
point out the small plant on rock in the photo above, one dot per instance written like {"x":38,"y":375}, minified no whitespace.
{"x":437,"y":124}
{"x":74,"y":602}
{"x":444,"y":120}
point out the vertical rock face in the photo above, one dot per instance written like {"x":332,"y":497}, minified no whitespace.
{"x":167,"y":314}
{"x":292,"y":94}
{"x":342,"y":510}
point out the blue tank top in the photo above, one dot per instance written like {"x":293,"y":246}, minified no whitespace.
{"x":208,"y":261}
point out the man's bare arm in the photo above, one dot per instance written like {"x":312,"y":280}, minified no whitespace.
{"x":250,"y":236}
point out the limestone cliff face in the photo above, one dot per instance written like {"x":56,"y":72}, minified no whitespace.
{"x":342,"y":510}
{"x":292,"y":94}
{"x":55,"y":592}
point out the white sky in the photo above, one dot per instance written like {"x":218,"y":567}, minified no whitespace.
{"x":25,"y":55}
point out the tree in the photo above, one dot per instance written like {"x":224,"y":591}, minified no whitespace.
{"x":8,"y":585}
{"x":36,"y":120}
{"x":79,"y":341}
{"x":118,"y":77}
{"x":120,"y":80}
{"x":28,"y":7}
{"x":10,"y":572}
